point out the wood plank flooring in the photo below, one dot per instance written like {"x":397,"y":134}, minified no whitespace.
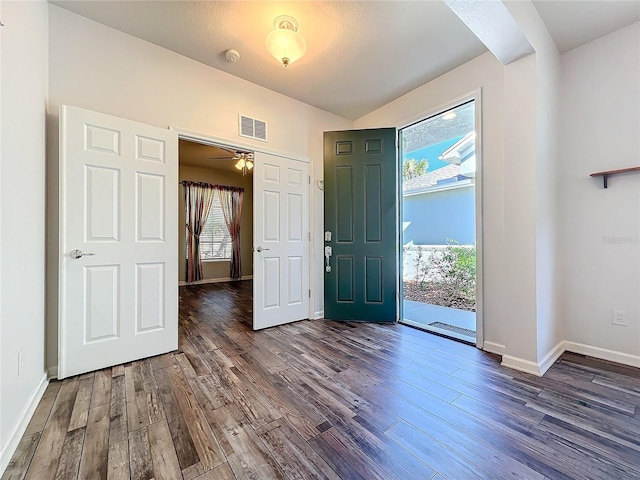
{"x":319,"y":399}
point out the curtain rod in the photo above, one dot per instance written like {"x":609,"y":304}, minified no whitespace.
{"x":210,"y":185}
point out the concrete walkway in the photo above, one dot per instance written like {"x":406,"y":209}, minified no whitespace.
{"x":423,"y":314}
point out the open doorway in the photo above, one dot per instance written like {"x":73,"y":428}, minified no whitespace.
{"x":438,"y":200}
{"x":220,"y":169}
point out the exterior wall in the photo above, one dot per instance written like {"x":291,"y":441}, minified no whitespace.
{"x":434,"y":218}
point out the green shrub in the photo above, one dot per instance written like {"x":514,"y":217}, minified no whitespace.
{"x":453,"y":269}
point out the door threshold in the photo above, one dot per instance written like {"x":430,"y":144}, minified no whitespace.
{"x":439,"y":332}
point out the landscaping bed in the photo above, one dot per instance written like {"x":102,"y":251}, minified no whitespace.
{"x":436,"y":294}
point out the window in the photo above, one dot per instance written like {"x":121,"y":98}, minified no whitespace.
{"x":215,"y":241}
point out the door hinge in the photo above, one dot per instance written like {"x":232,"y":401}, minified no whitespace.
{"x":309,"y":293}
{"x":309,"y":179}
{"x":309,"y":236}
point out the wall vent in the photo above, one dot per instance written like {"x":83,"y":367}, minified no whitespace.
{"x":252,"y":128}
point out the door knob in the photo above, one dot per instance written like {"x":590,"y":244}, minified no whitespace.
{"x":259,"y":249}
{"x":75,"y":254}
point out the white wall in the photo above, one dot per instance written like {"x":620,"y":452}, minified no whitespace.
{"x":22,"y":205}
{"x":600,"y":130}
{"x":96,"y":67}
{"x":487,"y":73}
{"x":533,"y":200}
{"x":519,"y":253}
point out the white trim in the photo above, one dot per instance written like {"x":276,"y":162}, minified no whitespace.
{"x":538,"y":368}
{"x":476,"y":96}
{"x":521,"y":364}
{"x":603,"y":353}
{"x":565,"y":346}
{"x":319,"y":314}
{"x":9,"y":448}
{"x":551,"y":357}
{"x":235,"y":143}
{"x":62,"y":229}
{"x":492,"y":347}
{"x":182,"y":283}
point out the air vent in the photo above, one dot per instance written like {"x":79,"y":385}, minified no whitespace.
{"x":252,"y":128}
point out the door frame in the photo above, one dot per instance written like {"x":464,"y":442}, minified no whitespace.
{"x":206,"y":139}
{"x":476,"y":96}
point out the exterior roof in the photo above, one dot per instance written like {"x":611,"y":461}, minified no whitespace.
{"x":430,"y":179}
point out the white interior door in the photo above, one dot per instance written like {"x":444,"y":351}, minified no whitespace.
{"x":281,"y":241}
{"x":118,"y":241}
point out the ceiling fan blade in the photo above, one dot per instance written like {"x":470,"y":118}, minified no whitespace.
{"x":227,"y":157}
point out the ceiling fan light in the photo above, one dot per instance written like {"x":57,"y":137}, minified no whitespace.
{"x":249,"y":164}
{"x":240,"y":164}
{"x":284,"y":42}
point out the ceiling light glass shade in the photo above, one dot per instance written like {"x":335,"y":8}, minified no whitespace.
{"x":285,"y":43}
{"x":244,"y":165}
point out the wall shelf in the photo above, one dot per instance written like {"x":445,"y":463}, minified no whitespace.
{"x":605,"y":175}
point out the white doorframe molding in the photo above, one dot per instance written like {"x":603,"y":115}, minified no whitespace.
{"x":476,"y":96}
{"x":207,"y":139}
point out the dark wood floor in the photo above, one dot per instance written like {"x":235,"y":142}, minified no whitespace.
{"x":330,"y":400}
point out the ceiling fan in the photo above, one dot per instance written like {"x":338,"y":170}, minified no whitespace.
{"x":244,"y":159}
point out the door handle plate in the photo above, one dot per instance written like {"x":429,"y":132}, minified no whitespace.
{"x":76,"y":254}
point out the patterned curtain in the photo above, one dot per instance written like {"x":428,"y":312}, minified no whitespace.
{"x":198,"y":198}
{"x":231,"y":202}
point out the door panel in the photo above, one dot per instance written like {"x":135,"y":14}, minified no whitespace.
{"x":118,"y":205}
{"x":360,"y":179}
{"x":281,"y":238}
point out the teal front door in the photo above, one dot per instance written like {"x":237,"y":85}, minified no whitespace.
{"x":360,"y":222}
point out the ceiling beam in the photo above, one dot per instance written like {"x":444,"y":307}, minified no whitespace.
{"x":494,"y":26}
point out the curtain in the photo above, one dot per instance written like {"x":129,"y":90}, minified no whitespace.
{"x":198,"y":198}
{"x":231,"y":202}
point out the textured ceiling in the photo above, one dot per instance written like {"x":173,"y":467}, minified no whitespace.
{"x":574,"y":23}
{"x":360,"y":55}
{"x":192,"y":154}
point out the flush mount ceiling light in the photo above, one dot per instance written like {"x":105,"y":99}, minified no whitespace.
{"x":285,"y":43}
{"x":245,"y":162}
{"x":450,"y":115}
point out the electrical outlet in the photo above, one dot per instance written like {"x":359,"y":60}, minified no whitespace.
{"x":619,"y":318}
{"x":20,"y":352}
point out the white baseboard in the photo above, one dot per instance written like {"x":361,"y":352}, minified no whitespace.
{"x":182,"y":283}
{"x":534,"y":368}
{"x":9,"y":448}
{"x":521,"y":364}
{"x":551,"y":357}
{"x":566,"y":346}
{"x":603,"y":354}
{"x":493,"y":348}
{"x":319,"y":314}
